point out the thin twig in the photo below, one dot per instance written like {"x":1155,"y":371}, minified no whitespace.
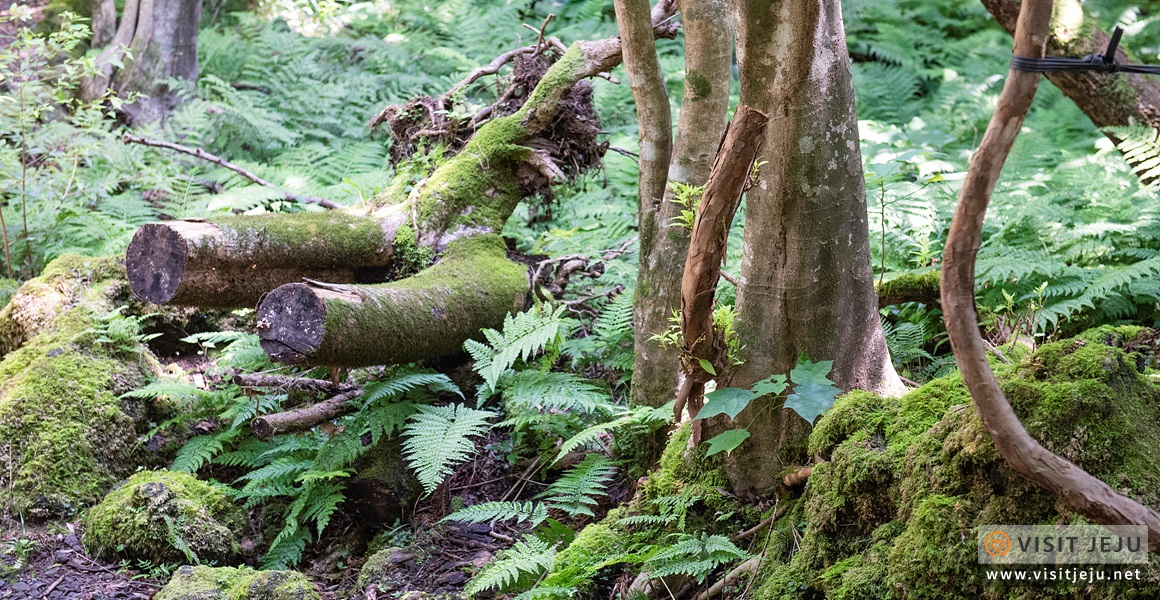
{"x":129,"y":138}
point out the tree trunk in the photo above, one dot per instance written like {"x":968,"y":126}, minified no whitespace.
{"x":806,"y":282}
{"x":161,"y":39}
{"x":1107,"y":99}
{"x":104,"y":21}
{"x":428,"y":315}
{"x":701,"y":122}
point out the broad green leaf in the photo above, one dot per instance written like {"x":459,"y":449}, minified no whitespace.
{"x":774,"y":384}
{"x":807,"y":371}
{"x":811,"y":399}
{"x":727,"y":442}
{"x":729,"y":401}
{"x":708,"y":366}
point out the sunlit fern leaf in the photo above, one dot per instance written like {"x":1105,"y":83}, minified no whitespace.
{"x":196,"y":452}
{"x":518,"y":566}
{"x":438,"y":438}
{"x":532,"y":513}
{"x":695,"y":555}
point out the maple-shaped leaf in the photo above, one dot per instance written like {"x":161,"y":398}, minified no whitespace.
{"x":727,"y":442}
{"x":729,"y":401}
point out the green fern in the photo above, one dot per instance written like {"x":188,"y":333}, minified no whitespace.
{"x":524,"y":336}
{"x":694,"y":555}
{"x":576,"y":491}
{"x":516,"y":567}
{"x":489,"y":512}
{"x":438,"y":438}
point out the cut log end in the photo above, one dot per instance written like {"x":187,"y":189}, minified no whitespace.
{"x":291,"y":323}
{"x":156,"y":263}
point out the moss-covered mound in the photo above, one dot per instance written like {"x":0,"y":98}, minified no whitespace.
{"x":226,"y":583}
{"x":66,"y":435}
{"x":893,"y":510}
{"x":165,"y":516}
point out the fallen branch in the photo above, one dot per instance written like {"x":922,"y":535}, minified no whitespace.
{"x":305,"y":384}
{"x":129,"y":138}
{"x":748,"y":567}
{"x":306,"y":417}
{"x":1081,"y":492}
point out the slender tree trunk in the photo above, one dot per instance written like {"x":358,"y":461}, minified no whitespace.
{"x":806,"y":282}
{"x":701,"y":122}
{"x":655,"y":374}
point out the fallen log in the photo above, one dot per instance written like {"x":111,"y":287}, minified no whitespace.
{"x":428,"y":315}
{"x":306,"y":417}
{"x":230,"y":262}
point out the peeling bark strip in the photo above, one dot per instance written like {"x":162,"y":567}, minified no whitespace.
{"x":719,"y":204}
{"x":708,"y":34}
{"x":1083,"y":493}
{"x":428,"y":315}
{"x":230,"y":262}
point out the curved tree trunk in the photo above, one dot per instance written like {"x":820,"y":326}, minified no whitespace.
{"x":708,"y":36}
{"x":806,"y":282}
{"x":1081,"y":492}
{"x":104,"y":22}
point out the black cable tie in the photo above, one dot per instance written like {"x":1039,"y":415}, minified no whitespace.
{"x":1100,"y":63}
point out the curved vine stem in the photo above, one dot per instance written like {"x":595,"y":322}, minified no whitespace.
{"x":1083,"y":493}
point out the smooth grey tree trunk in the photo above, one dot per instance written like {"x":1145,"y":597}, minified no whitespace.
{"x":806,"y":281}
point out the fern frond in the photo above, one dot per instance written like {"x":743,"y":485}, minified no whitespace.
{"x":438,"y":438}
{"x":575,"y":492}
{"x":490,"y":512}
{"x":525,"y":561}
{"x":195,"y":453}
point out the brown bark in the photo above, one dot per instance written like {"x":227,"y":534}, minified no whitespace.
{"x":708,"y":35}
{"x":719,"y":204}
{"x":428,"y":315}
{"x":1107,"y":99}
{"x":1081,"y":492}
{"x":806,"y":283}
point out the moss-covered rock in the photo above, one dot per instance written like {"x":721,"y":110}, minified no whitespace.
{"x":226,"y":583}
{"x":66,"y":435}
{"x":165,"y":516}
{"x":893,"y":510}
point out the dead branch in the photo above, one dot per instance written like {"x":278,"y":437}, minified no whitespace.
{"x":1081,"y":492}
{"x":748,"y":567}
{"x":306,"y":417}
{"x":198,"y":153}
{"x":305,"y":384}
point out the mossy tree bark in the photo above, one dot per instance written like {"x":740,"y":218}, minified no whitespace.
{"x":428,"y":315}
{"x":156,"y":40}
{"x":708,"y":34}
{"x":806,"y":283}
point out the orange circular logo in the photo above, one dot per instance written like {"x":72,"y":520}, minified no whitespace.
{"x":997,"y":543}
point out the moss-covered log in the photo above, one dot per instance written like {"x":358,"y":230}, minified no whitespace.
{"x":230,"y":262}
{"x":428,"y":315}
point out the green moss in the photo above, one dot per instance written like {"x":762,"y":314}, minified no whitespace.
{"x":351,"y":239}
{"x":473,"y":282}
{"x":65,"y":433}
{"x":164,"y":516}
{"x":893,"y":511}
{"x":409,"y":256}
{"x":597,"y":546}
{"x":698,"y":85}
{"x":911,"y":287}
{"x":226,"y":583}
